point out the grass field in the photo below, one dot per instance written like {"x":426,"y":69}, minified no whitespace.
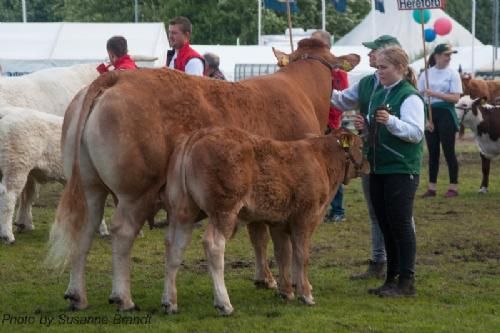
{"x":458,"y":275}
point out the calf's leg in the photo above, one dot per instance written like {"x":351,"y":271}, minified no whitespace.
{"x":10,"y":189}
{"x":259,"y":237}
{"x":281,"y":240}
{"x":24,"y":220}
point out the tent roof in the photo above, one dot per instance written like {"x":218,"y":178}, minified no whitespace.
{"x":78,"y":42}
{"x":230,"y":56}
{"x":402,"y":25}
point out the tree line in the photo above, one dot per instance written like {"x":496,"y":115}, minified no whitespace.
{"x":225,"y":21}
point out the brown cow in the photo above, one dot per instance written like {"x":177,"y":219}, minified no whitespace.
{"x":233,"y":176}
{"x":481,"y":88}
{"x":118,"y":136}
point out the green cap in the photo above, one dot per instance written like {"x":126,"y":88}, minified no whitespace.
{"x":382,"y":41}
{"x":444,"y":48}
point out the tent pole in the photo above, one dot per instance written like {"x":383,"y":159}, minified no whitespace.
{"x":374,"y":34}
{"x":323,"y":15}
{"x":136,"y":11}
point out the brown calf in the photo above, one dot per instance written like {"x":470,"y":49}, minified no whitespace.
{"x":232,"y":175}
{"x":481,"y":88}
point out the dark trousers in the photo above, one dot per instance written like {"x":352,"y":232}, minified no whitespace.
{"x":444,"y":133}
{"x":392,"y":198}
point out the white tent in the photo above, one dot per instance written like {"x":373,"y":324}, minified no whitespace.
{"x":27,"y":47}
{"x":483,"y":59}
{"x":401,"y":24}
{"x":230,"y":56}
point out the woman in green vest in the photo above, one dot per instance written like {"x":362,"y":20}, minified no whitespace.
{"x":395,"y":121}
{"x":445,"y":87}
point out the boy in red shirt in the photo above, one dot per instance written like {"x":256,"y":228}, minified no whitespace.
{"x":118,"y":55}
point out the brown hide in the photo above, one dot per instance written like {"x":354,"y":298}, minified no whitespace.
{"x":490,"y":124}
{"x":227,"y":170}
{"x":135,"y":117}
{"x":481,"y":88}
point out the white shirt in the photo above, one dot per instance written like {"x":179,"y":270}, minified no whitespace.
{"x":410,"y":127}
{"x":193,"y":67}
{"x":445,"y":80}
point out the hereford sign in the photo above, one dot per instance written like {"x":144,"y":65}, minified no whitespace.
{"x":420,"y":4}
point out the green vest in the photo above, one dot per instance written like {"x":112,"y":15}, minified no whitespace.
{"x":367,"y":87}
{"x":389,"y":154}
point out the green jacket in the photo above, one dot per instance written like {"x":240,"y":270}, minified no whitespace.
{"x":387,"y":153}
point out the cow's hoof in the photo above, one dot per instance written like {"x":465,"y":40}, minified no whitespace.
{"x":224,"y":310}
{"x":483,"y":190}
{"x":265,"y":284}
{"x":122,"y":305}
{"x":75,"y":302}
{"x":22,"y":227}
{"x":169,"y":308}
{"x":8,"y":240}
{"x":307,"y":300}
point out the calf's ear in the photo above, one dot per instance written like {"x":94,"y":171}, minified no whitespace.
{"x":348,"y":62}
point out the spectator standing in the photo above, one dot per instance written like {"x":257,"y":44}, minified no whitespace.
{"x":339,"y":82}
{"x":359,"y":95}
{"x":182,"y":56}
{"x":212,"y":62}
{"x":118,"y":55}
{"x":445,"y":88}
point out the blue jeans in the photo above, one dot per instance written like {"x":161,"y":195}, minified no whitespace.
{"x":338,"y":202}
{"x":378,"y":245}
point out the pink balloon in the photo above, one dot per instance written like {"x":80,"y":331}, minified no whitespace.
{"x":442,"y":26}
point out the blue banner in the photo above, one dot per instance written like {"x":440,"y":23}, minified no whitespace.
{"x":340,"y":5}
{"x":379,"y":5}
{"x":280,"y":5}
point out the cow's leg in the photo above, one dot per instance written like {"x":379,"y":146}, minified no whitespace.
{"x":300,"y":236}
{"x":281,"y":240}
{"x":485,"y":168}
{"x":214,"y":242}
{"x":127,"y":221}
{"x":76,"y":292}
{"x":259,"y":237}
{"x":176,"y":241}
{"x":24,"y":220}
{"x":10,"y":189}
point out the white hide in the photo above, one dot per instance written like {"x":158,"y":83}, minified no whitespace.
{"x":49,"y":90}
{"x":30,"y":151}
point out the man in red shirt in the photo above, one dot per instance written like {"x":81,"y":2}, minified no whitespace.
{"x":118,"y":55}
{"x":182,"y":57}
{"x":339,"y":82}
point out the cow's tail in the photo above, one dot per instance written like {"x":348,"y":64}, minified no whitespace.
{"x":71,"y":214}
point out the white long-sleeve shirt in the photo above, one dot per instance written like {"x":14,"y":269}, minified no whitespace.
{"x":410,"y":127}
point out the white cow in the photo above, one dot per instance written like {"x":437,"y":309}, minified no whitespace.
{"x":48,"y":90}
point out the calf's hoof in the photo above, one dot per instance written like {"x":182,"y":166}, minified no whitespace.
{"x":8,"y":240}
{"x":224,"y":310}
{"x":307,"y":300}
{"x":169,"y":308}
{"x":286,"y":296}
{"x":22,"y":227}
{"x":76,"y":303}
{"x":483,"y":190}
{"x":266,"y":284}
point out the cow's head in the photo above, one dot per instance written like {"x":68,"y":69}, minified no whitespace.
{"x":466,"y":78}
{"x":314,"y":49}
{"x":352,"y":145}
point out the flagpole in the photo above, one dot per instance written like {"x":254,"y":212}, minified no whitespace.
{"x":289,"y":23}
{"x":23,"y":2}
{"x":473,"y":34}
{"x":259,"y":22}
{"x":426,"y":72}
{"x":373,"y":20}
{"x":323,"y":15}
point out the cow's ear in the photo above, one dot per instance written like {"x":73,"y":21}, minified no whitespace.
{"x":483,"y":100}
{"x":282,"y":57}
{"x":348,"y":62}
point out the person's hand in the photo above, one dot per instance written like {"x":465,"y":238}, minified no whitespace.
{"x":382,"y":116}
{"x":102,"y":68}
{"x":359,"y":122}
{"x":430,"y":126}
{"x":430,"y":93}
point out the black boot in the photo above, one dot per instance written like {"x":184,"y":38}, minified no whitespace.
{"x":390,"y":283}
{"x":375,"y":270}
{"x":405,"y":288}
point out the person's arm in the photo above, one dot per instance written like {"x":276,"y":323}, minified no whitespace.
{"x":346,"y":99}
{"x":454,"y":92}
{"x":195,"y":67}
{"x":410,"y":127}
